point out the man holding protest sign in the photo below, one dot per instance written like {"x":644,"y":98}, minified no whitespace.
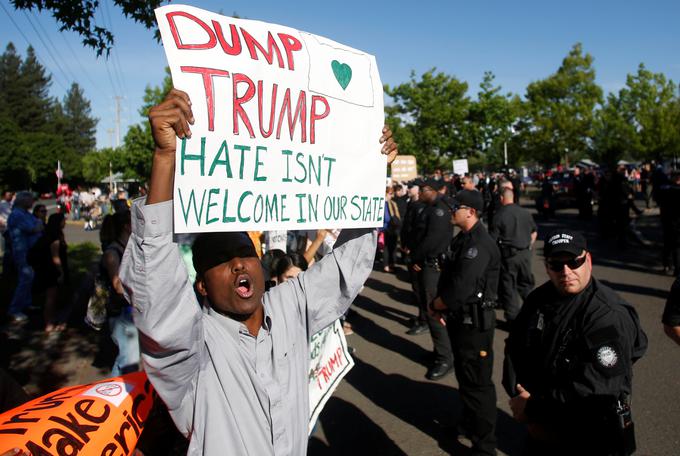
{"x":279,"y":120}
{"x":233,"y":375}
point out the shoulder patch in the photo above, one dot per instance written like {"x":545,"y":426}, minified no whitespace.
{"x":439,"y":212}
{"x":471,"y":253}
{"x":607,"y":356}
{"x":609,"y":359}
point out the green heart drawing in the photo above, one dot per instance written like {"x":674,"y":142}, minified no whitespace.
{"x":342,"y":72}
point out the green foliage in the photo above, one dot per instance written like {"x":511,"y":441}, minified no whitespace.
{"x":79,"y":16}
{"x":96,"y":164}
{"x":80,"y":127}
{"x":650,"y":102}
{"x":559,"y":111}
{"x":491,"y":121}
{"x":640,"y":122}
{"x":37,"y":130}
{"x":428,"y":118}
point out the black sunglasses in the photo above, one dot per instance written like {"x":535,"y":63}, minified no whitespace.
{"x":573,"y":264}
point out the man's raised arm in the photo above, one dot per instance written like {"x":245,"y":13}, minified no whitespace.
{"x":169,"y":119}
{"x":166,"y":312}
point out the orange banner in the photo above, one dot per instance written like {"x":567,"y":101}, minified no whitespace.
{"x":103,"y":418}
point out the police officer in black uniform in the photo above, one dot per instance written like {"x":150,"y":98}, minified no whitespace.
{"x":671,"y":313}
{"x":514,"y":230}
{"x":409,"y":241}
{"x":466,"y":296}
{"x":494,"y":203}
{"x":569,"y":358}
{"x":432,"y":239}
{"x":668,"y":195}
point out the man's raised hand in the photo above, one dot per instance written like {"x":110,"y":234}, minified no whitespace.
{"x":389,"y":147}
{"x":169,"y":119}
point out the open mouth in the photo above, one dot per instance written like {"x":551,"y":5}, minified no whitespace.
{"x":243,"y":286}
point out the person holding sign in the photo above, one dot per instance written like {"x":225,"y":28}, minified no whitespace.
{"x":234,"y":372}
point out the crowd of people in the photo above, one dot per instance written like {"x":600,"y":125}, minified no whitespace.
{"x":226,"y":318}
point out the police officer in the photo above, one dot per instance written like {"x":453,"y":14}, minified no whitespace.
{"x":668,"y":194}
{"x":569,"y":358}
{"x":494,"y":202}
{"x":671,"y":313}
{"x":409,"y":241}
{"x":584,"y":187}
{"x":515,"y":232}
{"x":466,"y":295}
{"x":432,"y":238}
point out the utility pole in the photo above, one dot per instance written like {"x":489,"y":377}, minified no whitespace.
{"x":505,"y":153}
{"x":110,"y":131}
{"x":118,"y":100}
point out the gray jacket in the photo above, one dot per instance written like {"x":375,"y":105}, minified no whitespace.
{"x":227,"y":391}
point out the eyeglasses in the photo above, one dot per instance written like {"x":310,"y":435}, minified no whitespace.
{"x":573,"y":264}
{"x":459,"y":206}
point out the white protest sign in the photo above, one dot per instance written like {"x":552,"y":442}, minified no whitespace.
{"x":287,"y":126}
{"x":329,"y":362}
{"x":460,"y":167}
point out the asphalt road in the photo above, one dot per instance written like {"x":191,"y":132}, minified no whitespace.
{"x":385,"y":406}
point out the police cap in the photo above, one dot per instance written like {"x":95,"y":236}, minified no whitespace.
{"x":434,"y":184}
{"x":564,"y":241}
{"x":469,"y":198}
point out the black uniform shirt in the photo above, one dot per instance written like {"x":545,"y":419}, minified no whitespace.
{"x":671,"y":313}
{"x":473,"y":268}
{"x":409,"y":227}
{"x":574,"y":355}
{"x":512,"y":226}
{"x":433,"y":232}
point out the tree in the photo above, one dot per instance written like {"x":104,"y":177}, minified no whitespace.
{"x":37,"y":130}
{"x":613,"y":133}
{"x":80,"y":127}
{"x":78,"y":16}
{"x":428,"y":118}
{"x":491,"y":119}
{"x":26,"y":116}
{"x":98,"y":163}
{"x":651,"y":103}
{"x":558,"y":119}
{"x":10,"y":75}
{"x":24,"y":89}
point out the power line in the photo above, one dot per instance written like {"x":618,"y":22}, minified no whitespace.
{"x":55,"y":60}
{"x":112,"y":79}
{"x":54,"y":48}
{"x":86,"y":73}
{"x":116,"y":61}
{"x":29,"y":43}
{"x":95,"y":86}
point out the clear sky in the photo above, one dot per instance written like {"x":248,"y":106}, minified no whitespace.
{"x":519,"y":41}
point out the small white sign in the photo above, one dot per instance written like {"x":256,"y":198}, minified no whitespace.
{"x":329,"y":362}
{"x":460,"y":167}
{"x":113,"y":392}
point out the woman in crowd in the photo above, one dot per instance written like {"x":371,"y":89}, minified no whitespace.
{"x":123,"y":331}
{"x":49,"y":259}
{"x":289,"y":267}
{"x":40,"y":212}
